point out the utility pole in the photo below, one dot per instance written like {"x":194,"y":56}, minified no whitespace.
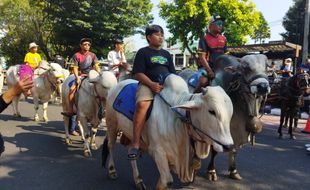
{"x":306,"y":32}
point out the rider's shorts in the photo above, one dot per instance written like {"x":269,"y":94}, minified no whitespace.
{"x":71,"y":83}
{"x":144,"y":93}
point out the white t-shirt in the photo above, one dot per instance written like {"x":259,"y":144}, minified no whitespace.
{"x":115,"y":58}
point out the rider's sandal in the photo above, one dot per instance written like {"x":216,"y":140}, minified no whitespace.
{"x":67,"y":114}
{"x":133,"y":154}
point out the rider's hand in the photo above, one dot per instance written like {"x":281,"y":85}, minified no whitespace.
{"x":211,"y":74}
{"x":156,"y":87}
{"x":78,"y":82}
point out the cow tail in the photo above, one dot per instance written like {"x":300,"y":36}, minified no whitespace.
{"x":105,"y":152}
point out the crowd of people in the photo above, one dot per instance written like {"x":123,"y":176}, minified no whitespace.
{"x":286,"y":69}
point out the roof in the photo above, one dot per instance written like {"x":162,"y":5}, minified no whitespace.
{"x":275,"y":49}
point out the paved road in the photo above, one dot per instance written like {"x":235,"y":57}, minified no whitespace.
{"x":36,"y":158}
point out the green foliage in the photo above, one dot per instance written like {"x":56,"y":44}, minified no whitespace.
{"x":187,"y":19}
{"x":262,"y":31}
{"x":58,"y":25}
{"x":293,"y":23}
{"x":16,"y":22}
{"x":101,"y":20}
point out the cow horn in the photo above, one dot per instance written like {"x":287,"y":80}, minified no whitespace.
{"x":204,"y":91}
{"x":252,"y":139}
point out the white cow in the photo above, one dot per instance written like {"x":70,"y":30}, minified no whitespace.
{"x":165,"y":136}
{"x":1,"y":79}
{"x":56,"y":97}
{"x":47,"y":78}
{"x":91,"y":100}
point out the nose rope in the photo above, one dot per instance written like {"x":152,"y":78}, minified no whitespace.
{"x":187,"y":119}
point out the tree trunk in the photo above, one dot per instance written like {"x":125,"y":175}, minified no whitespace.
{"x":193,"y":55}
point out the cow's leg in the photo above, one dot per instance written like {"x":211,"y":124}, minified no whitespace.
{"x":296,"y":117}
{"x":290,"y":130}
{"x":233,"y":172}
{"x":138,"y":180}
{"x":112,"y":136}
{"x":45,"y":118}
{"x":15,"y":102}
{"x":165,"y":180}
{"x":286,"y":121}
{"x":85,"y":135}
{"x":36,"y":108}
{"x":211,"y":174}
{"x":281,"y":124}
{"x":94,"y":129}
{"x":67,"y":125}
{"x":295,"y":123}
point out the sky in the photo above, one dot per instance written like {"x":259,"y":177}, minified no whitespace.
{"x":273,"y":11}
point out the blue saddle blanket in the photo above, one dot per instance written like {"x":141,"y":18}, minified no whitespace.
{"x":193,"y":80}
{"x":125,"y":102}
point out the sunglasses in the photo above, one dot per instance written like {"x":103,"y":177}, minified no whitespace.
{"x":86,"y":44}
{"x":218,"y":23}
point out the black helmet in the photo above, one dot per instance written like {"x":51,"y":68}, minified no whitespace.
{"x":118,"y":41}
{"x":85,"y":40}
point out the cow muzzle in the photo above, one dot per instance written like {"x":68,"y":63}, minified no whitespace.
{"x":254,"y":125}
{"x":228,"y":148}
{"x":260,"y":86}
{"x":60,"y":80}
{"x":260,"y":89}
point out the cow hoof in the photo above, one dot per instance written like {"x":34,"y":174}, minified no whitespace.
{"x":293,"y":137}
{"x":93,"y":147}
{"x":285,"y":126}
{"x":36,"y":119}
{"x":87,"y":153}
{"x":280,"y":136}
{"x":17,"y":115}
{"x":196,"y":163}
{"x":45,"y":119}
{"x":141,"y":186}
{"x":113,"y":175}
{"x":68,"y":141}
{"x":211,"y":175}
{"x":235,"y":175}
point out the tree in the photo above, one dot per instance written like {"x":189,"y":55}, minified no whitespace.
{"x":293,"y":23}
{"x":262,"y":31}
{"x":20,"y":27}
{"x":58,"y":25}
{"x":103,"y":21}
{"x":187,"y":19}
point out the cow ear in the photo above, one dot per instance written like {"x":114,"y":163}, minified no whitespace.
{"x":94,"y":76}
{"x":231,"y":69}
{"x":188,"y":105}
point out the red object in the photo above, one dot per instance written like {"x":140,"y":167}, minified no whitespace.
{"x":25,"y":70}
{"x":307,"y":128}
{"x":216,"y":44}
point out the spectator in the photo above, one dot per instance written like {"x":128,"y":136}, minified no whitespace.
{"x":305,"y":67}
{"x":272,"y":69}
{"x":287,"y":68}
{"x":116,"y":58}
{"x":6,"y":98}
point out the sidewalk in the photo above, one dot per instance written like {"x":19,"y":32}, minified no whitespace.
{"x":273,"y":121}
